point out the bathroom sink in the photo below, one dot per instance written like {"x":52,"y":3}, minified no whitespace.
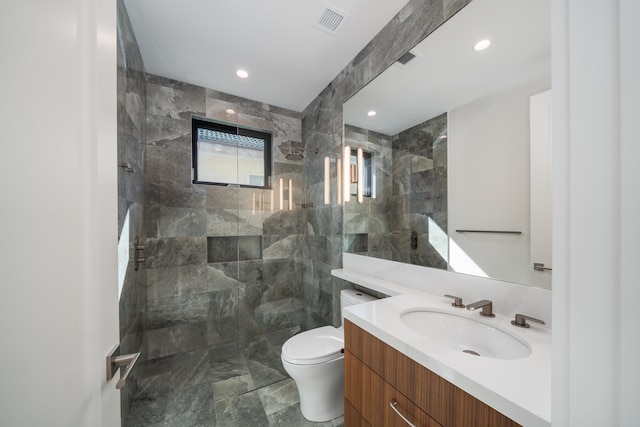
{"x":465,"y":334}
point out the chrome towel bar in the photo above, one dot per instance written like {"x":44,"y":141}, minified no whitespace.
{"x":489,"y":231}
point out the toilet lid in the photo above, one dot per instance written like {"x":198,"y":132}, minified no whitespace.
{"x":314,"y":346}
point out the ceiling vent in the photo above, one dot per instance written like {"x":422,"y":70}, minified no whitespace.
{"x":406,"y":57}
{"x":331,"y":19}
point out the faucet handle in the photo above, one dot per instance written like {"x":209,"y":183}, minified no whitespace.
{"x":457,"y":301}
{"x":521,"y":321}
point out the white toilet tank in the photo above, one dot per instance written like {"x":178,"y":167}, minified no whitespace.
{"x":352,"y":297}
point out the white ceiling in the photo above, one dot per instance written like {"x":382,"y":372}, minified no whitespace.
{"x":204,"y":42}
{"x":447,"y":73}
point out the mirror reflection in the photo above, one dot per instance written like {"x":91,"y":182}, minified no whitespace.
{"x":453,"y":137}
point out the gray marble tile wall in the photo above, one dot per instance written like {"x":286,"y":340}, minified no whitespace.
{"x":419,"y":203}
{"x":224,"y":264}
{"x":368,"y":224}
{"x":131,"y":112}
{"x":411,"y":181}
{"x":322,"y":128}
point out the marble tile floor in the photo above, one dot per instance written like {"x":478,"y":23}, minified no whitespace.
{"x":222,"y":386}
{"x":211,"y":405}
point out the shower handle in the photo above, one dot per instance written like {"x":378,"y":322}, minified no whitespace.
{"x":115,"y":360}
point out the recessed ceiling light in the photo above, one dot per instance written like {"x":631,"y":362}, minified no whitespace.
{"x":242,"y":74}
{"x":230,"y":111}
{"x":481,"y":45}
{"x":371,"y":113}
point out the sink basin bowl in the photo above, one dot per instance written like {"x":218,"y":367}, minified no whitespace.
{"x":465,"y":334}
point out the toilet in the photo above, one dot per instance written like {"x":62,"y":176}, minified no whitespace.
{"x":315,"y":361}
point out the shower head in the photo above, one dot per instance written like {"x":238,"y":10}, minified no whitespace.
{"x":294,"y":156}
{"x":296,"y":153}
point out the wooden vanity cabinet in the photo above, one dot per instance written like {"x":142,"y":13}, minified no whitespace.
{"x":377,"y":374}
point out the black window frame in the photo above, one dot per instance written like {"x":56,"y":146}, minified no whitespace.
{"x":200,"y":123}
{"x":367,"y":185}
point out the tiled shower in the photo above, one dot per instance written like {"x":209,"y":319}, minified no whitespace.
{"x":226,"y":279}
{"x":222,"y":284}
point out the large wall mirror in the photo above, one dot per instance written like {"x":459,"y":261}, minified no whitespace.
{"x":451,"y":133}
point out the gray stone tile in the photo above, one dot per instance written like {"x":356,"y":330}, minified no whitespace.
{"x":242,"y":248}
{"x":221,"y":197}
{"x":240,"y":410}
{"x":227,"y":362}
{"x":222,"y":249}
{"x":175,"y":222}
{"x":282,"y":246}
{"x":249,"y":248}
{"x":164,"y":131}
{"x":223,"y":303}
{"x":175,"y":251}
{"x":234,"y":222}
{"x":453,"y":6}
{"x":263,"y":362}
{"x":174,"y":102}
{"x":190,"y":407}
{"x":171,"y":311}
{"x":283,"y":222}
{"x":279,"y":396}
{"x":176,"y":339}
{"x":169,"y":163}
{"x":285,"y":273}
{"x":292,"y":417}
{"x":182,"y":280}
{"x":223,"y":330}
{"x":279,"y":314}
{"x":234,"y":386}
{"x":147,"y":412}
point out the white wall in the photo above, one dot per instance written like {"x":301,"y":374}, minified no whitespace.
{"x":596,"y":206}
{"x":59,"y":219}
{"x":489,"y":184}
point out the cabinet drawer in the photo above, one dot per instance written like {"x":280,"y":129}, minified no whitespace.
{"x":366,"y":390}
{"x":352,"y":417}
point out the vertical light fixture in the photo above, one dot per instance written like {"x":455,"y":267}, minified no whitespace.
{"x":290,"y":195}
{"x":346,"y":175}
{"x":253,"y":204}
{"x":339,"y":181}
{"x":327,"y":180}
{"x":360,"y":175}
{"x":281,"y":194}
{"x":271,"y":201}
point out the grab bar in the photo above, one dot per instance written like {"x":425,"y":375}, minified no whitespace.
{"x":489,"y":231}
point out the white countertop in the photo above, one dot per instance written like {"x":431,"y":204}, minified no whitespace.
{"x":518,"y":388}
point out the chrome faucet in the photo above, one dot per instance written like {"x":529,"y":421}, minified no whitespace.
{"x":487,"y":307}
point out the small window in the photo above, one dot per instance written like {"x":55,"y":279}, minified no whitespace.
{"x":224,"y":154}
{"x":368,"y":174}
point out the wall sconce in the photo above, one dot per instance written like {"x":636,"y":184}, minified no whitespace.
{"x":290,"y":195}
{"x":346,"y":173}
{"x":327,"y":180}
{"x":339,"y":180}
{"x":360,"y":177}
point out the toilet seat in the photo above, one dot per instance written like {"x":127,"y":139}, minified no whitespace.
{"x":314,"y":346}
